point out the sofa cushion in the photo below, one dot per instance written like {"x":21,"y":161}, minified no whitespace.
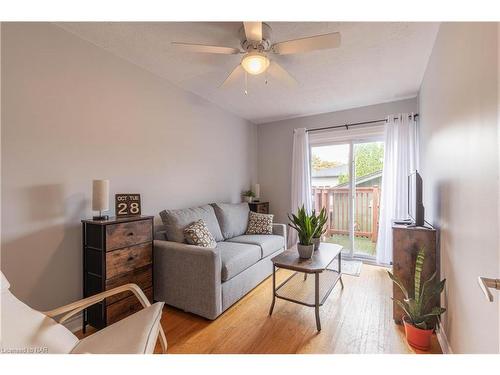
{"x":237,"y":257}
{"x":260,"y":223}
{"x":232,"y":217}
{"x":269,"y":243}
{"x":176,"y":220}
{"x":198,"y":234}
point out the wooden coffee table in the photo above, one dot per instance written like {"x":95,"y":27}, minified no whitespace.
{"x":301,"y":290}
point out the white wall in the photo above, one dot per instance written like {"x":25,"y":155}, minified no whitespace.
{"x":498,"y":137}
{"x":72,"y":112}
{"x":459,"y":163}
{"x":275,"y":147}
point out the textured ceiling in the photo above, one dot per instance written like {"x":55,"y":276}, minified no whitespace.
{"x":376,"y":62}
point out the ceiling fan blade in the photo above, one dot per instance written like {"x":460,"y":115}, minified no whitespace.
{"x":253,"y":31}
{"x":233,"y":76}
{"x":277,"y":71}
{"x":311,"y":43}
{"x":207,"y":49}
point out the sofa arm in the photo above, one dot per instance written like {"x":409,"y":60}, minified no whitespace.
{"x":280,"y":230}
{"x":188,"y":277}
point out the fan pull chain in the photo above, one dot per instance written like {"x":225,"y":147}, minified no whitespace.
{"x":246,"y":83}
{"x":265,"y":77}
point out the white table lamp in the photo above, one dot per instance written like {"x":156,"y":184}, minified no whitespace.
{"x":100,"y":198}
{"x":256,"y":190}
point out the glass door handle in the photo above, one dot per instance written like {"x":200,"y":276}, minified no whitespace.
{"x":487,"y":284}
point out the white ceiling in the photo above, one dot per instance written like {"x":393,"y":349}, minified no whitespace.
{"x":376,"y":62}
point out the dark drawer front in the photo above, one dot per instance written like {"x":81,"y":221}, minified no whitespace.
{"x":263,"y":208}
{"x":126,"y":260}
{"x":141,"y":276}
{"x":126,"y":307}
{"x":127,"y":234}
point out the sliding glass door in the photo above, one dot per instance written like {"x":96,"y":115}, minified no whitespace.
{"x":368,"y":159}
{"x":346,"y":179}
{"x":330,"y":182}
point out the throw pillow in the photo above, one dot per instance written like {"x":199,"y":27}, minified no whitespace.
{"x":260,"y":223}
{"x":176,"y":220}
{"x":198,"y":234}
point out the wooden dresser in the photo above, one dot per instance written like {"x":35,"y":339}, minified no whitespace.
{"x":116,"y":252}
{"x":406,"y":243}
{"x":259,"y":207}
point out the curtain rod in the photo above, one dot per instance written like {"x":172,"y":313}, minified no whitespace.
{"x":353,"y":124}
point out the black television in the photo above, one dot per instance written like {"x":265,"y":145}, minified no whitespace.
{"x":415,"y":205}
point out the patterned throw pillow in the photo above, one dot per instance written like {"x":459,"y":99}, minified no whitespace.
{"x":198,"y":234}
{"x":260,"y":223}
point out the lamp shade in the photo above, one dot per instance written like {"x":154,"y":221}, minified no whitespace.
{"x":100,"y":195}
{"x":256,"y":190}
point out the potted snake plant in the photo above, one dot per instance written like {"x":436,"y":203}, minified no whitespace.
{"x":420,"y":316}
{"x":303,"y":223}
{"x":319,"y":222}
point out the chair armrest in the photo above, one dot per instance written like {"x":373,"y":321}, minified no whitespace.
{"x":188,"y":277}
{"x":77,"y":306}
{"x":280,"y":230}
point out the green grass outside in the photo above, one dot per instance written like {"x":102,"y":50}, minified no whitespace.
{"x":361,"y":244}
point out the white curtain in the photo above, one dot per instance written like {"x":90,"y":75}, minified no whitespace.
{"x":400,"y":160}
{"x":301,"y":177}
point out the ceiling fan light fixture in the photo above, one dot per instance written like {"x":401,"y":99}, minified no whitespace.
{"x":255,"y":63}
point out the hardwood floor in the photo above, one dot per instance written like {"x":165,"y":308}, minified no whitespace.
{"x":357,"y":319}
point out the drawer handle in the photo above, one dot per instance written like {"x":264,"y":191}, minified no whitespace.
{"x":130,"y":234}
{"x":130,"y":258}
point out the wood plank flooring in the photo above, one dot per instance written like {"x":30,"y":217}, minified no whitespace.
{"x":357,"y":319}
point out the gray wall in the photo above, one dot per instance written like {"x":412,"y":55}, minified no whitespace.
{"x":275,"y":147}
{"x":459,"y":163}
{"x":72,"y":112}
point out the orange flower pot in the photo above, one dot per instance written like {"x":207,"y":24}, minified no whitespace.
{"x":416,"y":337}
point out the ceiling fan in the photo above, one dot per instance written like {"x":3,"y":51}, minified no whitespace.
{"x":257,"y":48}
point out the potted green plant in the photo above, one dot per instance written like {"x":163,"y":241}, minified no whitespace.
{"x":319,"y":222}
{"x":420,"y":316}
{"x":248,"y":196}
{"x":303,"y":223}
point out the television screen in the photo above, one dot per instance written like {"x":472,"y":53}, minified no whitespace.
{"x":415,"y":204}
{"x":412,"y":198}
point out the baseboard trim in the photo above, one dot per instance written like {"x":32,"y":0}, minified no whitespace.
{"x":443,"y":341}
{"x":74,"y":324}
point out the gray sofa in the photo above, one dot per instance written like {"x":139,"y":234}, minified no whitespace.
{"x":207,"y":281}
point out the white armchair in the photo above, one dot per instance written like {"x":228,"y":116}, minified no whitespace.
{"x":24,"y":330}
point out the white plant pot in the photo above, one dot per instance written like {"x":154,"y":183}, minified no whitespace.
{"x":305,"y":251}
{"x":248,"y":199}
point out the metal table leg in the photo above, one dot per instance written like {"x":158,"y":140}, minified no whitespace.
{"x":274,"y":290}
{"x":340,"y":270}
{"x":316,"y":300}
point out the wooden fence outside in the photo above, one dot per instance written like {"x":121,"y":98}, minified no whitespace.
{"x":336,"y":202}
